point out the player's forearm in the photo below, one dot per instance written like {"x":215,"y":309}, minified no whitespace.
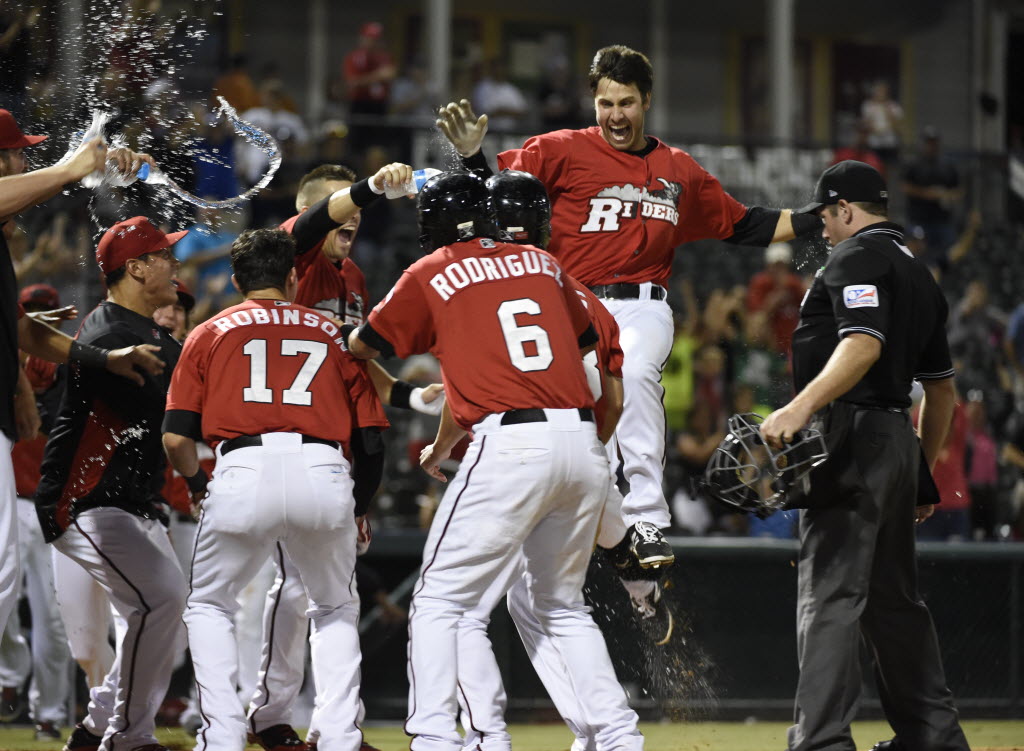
{"x":448,"y":432}
{"x":935,"y":417}
{"x":613,"y":395}
{"x":19,"y":192}
{"x":181,"y":453}
{"x":850,"y":362}
{"x":43,"y":341}
{"x":382,"y":380}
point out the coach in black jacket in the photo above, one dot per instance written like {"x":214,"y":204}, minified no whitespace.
{"x":872,"y":323}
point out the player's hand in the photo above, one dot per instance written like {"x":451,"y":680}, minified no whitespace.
{"x":782,"y":425}
{"x":196,"y":505}
{"x":52,"y":317}
{"x":124,"y":361}
{"x":128,"y":162}
{"x":462,"y":127}
{"x":392,"y":175}
{"x":429,"y":400}
{"x":923,"y":512}
{"x":364,"y":534}
{"x":430,"y":461}
{"x":26,"y":415}
{"x":88,"y":158}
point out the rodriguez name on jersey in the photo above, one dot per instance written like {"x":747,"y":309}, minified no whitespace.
{"x":629,"y":202}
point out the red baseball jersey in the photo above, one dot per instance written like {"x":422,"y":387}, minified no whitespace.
{"x":617,"y":217}
{"x":338,"y":292}
{"x":608,"y":351}
{"x":266,"y":366}
{"x":27,"y":456}
{"x":501,"y":318}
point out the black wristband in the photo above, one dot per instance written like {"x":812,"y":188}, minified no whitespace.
{"x":477,"y":163}
{"x":400,"y":393}
{"x":88,"y":355}
{"x":346,"y":332}
{"x":197,"y":482}
{"x":362,"y":194}
{"x":806,"y":224}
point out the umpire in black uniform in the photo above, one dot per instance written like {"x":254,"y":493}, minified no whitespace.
{"x":872,"y":322}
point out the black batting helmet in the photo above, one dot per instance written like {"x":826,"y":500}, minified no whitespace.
{"x":454,"y":206}
{"x":746,"y":472}
{"x":522,"y":208}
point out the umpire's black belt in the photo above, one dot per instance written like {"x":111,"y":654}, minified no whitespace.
{"x":519,"y":416}
{"x":248,"y":441}
{"x":877,"y":408}
{"x":627,"y":291}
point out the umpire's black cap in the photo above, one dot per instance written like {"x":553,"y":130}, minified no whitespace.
{"x":851,"y":181}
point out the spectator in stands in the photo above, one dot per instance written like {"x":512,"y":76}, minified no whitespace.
{"x":883,"y":117}
{"x":205,"y":260}
{"x":976,"y":331}
{"x":858,"y":149}
{"x":213,"y":156}
{"x":236,"y":86}
{"x":559,"y":97}
{"x":932,"y":186}
{"x":777,"y":292}
{"x":694,"y":447}
{"x":16,"y":27}
{"x":273,"y":117}
{"x":951,"y":520}
{"x":413,"y":97}
{"x":982,"y":469}
{"x":1012,"y":526}
{"x":677,"y":375}
{"x":709,"y":369}
{"x":1014,"y":345}
{"x":501,"y":99}
{"x":368,"y":72}
{"x":760,"y":365}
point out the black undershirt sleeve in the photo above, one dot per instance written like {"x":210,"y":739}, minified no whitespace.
{"x":478,"y":164}
{"x":367,"y":447}
{"x":312,"y":226}
{"x":183,"y":422}
{"x":757,"y":227}
{"x":375,"y":340}
{"x":588,"y":337}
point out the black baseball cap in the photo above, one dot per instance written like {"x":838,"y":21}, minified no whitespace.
{"x":851,"y":181}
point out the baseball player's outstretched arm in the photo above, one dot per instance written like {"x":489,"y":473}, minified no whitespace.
{"x":462,"y":127}
{"x":448,"y":434}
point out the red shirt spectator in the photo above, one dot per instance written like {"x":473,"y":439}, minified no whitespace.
{"x":778,"y":292}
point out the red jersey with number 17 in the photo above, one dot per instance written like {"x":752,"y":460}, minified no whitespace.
{"x":617,"y":216}
{"x":502,"y":319}
{"x":267,"y":366}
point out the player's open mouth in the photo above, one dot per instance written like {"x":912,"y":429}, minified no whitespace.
{"x":620,"y":133}
{"x":345,"y":234}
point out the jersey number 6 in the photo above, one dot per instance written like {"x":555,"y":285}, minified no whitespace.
{"x":516,"y":336}
{"x":298,"y":393}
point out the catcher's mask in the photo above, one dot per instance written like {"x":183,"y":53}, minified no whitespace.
{"x":746,"y":472}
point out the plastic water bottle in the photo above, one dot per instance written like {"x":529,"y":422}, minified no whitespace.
{"x":145,"y":173}
{"x":99,"y":121}
{"x":413,"y":186}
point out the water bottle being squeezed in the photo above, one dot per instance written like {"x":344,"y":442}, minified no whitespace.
{"x":419,"y":177}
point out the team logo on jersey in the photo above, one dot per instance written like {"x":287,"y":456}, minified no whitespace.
{"x":860,"y":296}
{"x":629,"y":201}
{"x":355,"y":310}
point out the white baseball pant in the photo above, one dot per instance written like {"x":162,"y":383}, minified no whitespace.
{"x":131,"y":558}
{"x":645,"y":335}
{"x":603,"y":704}
{"x":301,"y":495}
{"x":536,"y":487}
{"x":48,"y":658}
{"x":10,"y":565}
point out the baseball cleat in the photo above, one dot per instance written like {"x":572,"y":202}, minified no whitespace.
{"x":46,"y":731}
{"x":12,"y":704}
{"x":82,"y":740}
{"x":649,"y":545}
{"x":656,"y":619}
{"x":280,"y":738}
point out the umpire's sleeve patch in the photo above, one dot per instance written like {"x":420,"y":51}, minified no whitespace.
{"x":860,"y":296}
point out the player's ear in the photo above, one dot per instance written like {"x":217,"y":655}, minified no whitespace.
{"x":234,"y":283}
{"x":647,"y":101}
{"x":291,"y":284}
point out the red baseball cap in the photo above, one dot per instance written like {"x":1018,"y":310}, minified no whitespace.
{"x":185,"y":296}
{"x":11,"y":136}
{"x":372,"y":29}
{"x":130,"y":239}
{"x":42,"y":295}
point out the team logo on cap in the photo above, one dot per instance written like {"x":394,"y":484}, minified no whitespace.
{"x":860,"y":296}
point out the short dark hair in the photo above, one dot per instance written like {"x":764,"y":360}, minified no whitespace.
{"x":306,"y":194}
{"x":875,"y":209}
{"x":622,"y":65}
{"x":115,"y":276}
{"x":262,"y":258}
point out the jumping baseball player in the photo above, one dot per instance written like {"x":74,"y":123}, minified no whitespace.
{"x":508,"y":331}
{"x":101,"y":471}
{"x":621,"y":202}
{"x":269,"y":383}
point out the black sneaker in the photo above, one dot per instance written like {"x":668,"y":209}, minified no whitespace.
{"x":890,"y":745}
{"x":82,"y":740}
{"x":649,"y":545}
{"x":47,"y":731}
{"x":280,"y":738}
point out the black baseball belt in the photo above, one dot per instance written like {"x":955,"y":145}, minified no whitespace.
{"x":627,"y":291}
{"x":520,"y":416}
{"x":248,"y":441}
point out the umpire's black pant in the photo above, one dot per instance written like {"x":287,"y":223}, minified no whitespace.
{"x":858,"y":571}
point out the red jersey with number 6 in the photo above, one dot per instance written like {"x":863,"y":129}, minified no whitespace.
{"x":502,"y":319}
{"x":267,"y":366}
{"x":617,"y":216}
